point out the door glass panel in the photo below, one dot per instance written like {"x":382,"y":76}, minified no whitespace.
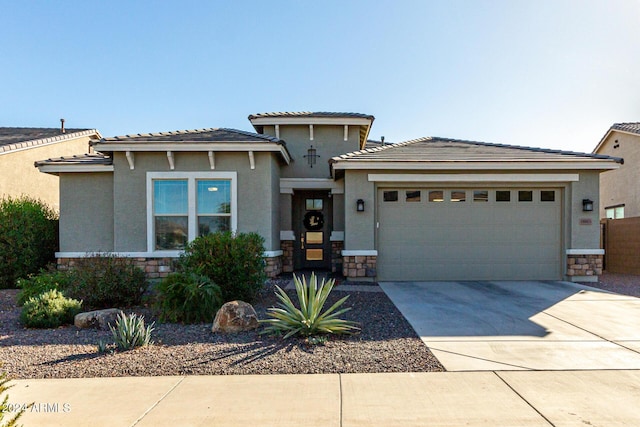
{"x":480,"y":195}
{"x":413,"y":196}
{"x":390,"y":196}
{"x":458,"y":196}
{"x":314,"y":254}
{"x":314,"y":237}
{"x":436,"y":196}
{"x":313,"y":204}
{"x":503,"y":196}
{"x":525,"y":196}
{"x":547,"y":196}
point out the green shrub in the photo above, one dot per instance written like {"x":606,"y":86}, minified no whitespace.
{"x":28,"y":238}
{"x":104,"y":281}
{"x":45,"y":281}
{"x":308,"y":319}
{"x":233,"y":261}
{"x":6,"y":407}
{"x":49,"y":310}
{"x":130,"y":331}
{"x":187,"y":298}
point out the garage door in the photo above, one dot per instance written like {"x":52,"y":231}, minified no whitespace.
{"x":469,"y":234}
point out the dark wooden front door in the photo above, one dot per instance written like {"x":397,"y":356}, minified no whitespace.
{"x":312,"y":216}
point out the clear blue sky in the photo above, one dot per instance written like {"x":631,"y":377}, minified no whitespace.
{"x":546,"y":73}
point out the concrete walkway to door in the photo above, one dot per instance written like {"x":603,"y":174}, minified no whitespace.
{"x":478,"y":326}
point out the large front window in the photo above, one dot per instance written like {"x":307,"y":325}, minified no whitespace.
{"x":183,"y":206}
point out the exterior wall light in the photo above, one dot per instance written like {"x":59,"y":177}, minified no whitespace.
{"x":311,"y":156}
{"x":360,"y":205}
{"x":587,"y":205}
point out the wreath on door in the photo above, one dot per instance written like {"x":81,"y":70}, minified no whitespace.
{"x":313,"y":221}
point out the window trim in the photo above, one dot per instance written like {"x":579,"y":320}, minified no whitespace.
{"x":192,"y":214}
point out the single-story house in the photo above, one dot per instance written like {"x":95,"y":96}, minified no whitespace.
{"x":619,"y":196}
{"x":425,"y":209}
{"x":21,"y":146}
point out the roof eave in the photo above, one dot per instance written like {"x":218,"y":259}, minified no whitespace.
{"x":351,"y":164}
{"x":56,"y":169}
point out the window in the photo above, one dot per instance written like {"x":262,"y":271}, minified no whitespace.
{"x":184,"y":205}
{"x":412,"y":196}
{"x":614,"y":212}
{"x":547,"y":196}
{"x":503,"y":196}
{"x":313,"y":204}
{"x":525,"y":196}
{"x":390,"y":196}
{"x":458,"y":196}
{"x":480,"y":195}
{"x":436,"y":196}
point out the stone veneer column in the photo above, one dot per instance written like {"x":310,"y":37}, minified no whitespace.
{"x":359,"y":266}
{"x":584,"y":267}
{"x":336,"y":256}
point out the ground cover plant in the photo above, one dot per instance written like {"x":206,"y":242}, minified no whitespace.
{"x":308,"y":319}
{"x":28,"y":238}
{"x":49,"y":310}
{"x":46,"y":280}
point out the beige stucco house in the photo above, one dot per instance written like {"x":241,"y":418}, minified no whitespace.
{"x":619,"y":195}
{"x":20,"y":147}
{"x":324,"y":198}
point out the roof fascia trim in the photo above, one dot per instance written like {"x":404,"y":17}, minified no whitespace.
{"x":35,"y":143}
{"x":338,"y":121}
{"x":54,"y":169}
{"x":475,"y":177}
{"x":466,"y":165}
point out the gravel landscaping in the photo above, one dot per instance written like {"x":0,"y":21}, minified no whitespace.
{"x":626,"y":284}
{"x":386,"y":343}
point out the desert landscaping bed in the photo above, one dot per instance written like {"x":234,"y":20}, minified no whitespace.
{"x":625,"y":284}
{"x":386,"y":343}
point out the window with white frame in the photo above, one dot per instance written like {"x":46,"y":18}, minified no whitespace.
{"x":184,"y":205}
{"x":614,"y":212}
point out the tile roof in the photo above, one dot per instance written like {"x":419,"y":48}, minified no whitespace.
{"x":311,"y":114}
{"x":82,"y":159}
{"x":14,"y":138}
{"x":627,"y":127}
{"x":193,"y":136}
{"x":435,"y":149}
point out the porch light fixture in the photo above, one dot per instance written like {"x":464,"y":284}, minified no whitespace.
{"x":311,"y":156}
{"x":360,"y":205}
{"x":587,"y":205}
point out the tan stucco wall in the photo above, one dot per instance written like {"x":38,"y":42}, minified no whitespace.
{"x":257,"y":209}
{"x":621,"y":185}
{"x":19,"y":176}
{"x":327,"y":140}
{"x":86,"y":214}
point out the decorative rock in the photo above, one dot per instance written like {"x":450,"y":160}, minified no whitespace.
{"x":235,"y":316}
{"x":100,"y":319}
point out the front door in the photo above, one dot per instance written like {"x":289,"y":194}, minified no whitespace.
{"x":312,"y":218}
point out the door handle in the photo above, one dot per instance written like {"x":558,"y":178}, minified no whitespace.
{"x":302,"y":242}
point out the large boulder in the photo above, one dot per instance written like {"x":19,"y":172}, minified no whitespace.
{"x":100,"y":319}
{"x":235,"y":316}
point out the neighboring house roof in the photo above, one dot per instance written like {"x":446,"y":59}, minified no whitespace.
{"x":78,"y":163}
{"x":19,"y":138}
{"x":211,"y":139}
{"x":631,"y":127}
{"x":438,"y":153}
{"x":364,"y":121}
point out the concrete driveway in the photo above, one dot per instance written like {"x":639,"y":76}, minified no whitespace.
{"x":478,"y":326}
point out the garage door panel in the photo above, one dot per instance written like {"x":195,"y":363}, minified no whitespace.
{"x":469,"y":240}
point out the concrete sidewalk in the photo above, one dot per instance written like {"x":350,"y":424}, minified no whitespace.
{"x":507,"y":398}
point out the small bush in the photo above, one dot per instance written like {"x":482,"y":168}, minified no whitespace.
{"x":49,"y":310}
{"x":130,"y":332}
{"x":45,"y":281}
{"x":232,"y":261}
{"x":28,"y":238}
{"x":187,"y":298}
{"x":309,"y":319}
{"x":6,"y":407}
{"x":104,"y":281}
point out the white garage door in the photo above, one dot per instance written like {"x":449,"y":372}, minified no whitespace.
{"x":469,"y":234}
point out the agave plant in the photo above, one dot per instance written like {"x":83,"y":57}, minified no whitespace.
{"x":308,"y":319}
{"x":130,"y":331}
